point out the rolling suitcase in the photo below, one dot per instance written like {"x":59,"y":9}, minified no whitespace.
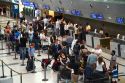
{"x":45,"y":62}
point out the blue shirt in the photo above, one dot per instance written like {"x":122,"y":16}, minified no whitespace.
{"x":92,"y":58}
{"x":31,"y":51}
{"x":17,"y":34}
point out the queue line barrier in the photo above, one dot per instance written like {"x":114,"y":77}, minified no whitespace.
{"x":11,"y":71}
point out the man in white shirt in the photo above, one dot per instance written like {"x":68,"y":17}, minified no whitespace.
{"x":46,"y":21}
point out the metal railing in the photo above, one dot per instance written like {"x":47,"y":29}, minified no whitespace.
{"x":11,"y":71}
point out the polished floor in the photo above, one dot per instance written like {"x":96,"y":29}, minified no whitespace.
{"x":39,"y":75}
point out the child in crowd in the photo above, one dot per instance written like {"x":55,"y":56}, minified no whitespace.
{"x":115,"y":74}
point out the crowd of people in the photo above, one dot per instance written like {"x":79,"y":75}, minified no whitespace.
{"x":66,"y":46}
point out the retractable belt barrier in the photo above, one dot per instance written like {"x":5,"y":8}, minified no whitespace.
{"x":44,"y":79}
{"x":11,"y":71}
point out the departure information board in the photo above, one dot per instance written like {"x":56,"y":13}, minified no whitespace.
{"x":120,"y":20}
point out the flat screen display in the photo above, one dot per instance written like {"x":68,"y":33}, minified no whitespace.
{"x":100,"y":16}
{"x":76,"y":12}
{"x":120,"y":20}
{"x":97,"y":16}
{"x":93,"y":15}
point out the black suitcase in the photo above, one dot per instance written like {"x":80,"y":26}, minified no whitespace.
{"x":30,"y":65}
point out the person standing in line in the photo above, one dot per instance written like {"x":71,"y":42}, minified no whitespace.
{"x":92,"y":58}
{"x":23,"y":41}
{"x":62,"y":31}
{"x":31,"y":52}
{"x":30,"y":33}
{"x":113,"y":58}
{"x":76,"y":31}
{"x":57,"y":27}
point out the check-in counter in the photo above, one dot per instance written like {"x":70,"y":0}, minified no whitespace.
{"x":119,"y":46}
{"x":115,"y":45}
{"x":104,"y":42}
{"x":94,"y":39}
{"x":89,"y":40}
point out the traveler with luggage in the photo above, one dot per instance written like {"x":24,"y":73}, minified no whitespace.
{"x":30,"y":62}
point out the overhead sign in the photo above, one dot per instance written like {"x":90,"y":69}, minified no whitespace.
{"x":15,"y":1}
{"x":30,"y":4}
{"x":76,"y":12}
{"x":120,"y":20}
{"x":60,"y":10}
{"x":97,"y":16}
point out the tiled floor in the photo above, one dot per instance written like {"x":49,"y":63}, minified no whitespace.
{"x":37,"y":77}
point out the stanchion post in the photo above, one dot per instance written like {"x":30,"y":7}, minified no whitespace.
{"x":11,"y":73}
{"x":15,"y":56}
{"x":2,"y":45}
{"x":21,"y":78}
{"x":9,"y":48}
{"x":3,"y":75}
{"x":57,"y":77}
{"x":45,"y":79}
